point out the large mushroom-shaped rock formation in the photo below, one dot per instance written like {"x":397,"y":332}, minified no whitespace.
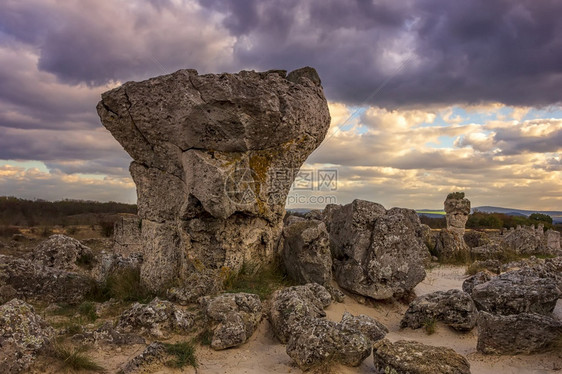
{"x":207,"y":150}
{"x":450,"y":241}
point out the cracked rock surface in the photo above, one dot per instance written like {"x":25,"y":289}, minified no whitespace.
{"x":214,"y":158}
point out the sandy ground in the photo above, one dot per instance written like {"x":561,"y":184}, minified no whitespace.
{"x":263,"y":354}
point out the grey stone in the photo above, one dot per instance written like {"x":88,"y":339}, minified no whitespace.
{"x":410,"y":357}
{"x":236,"y":316}
{"x":457,"y":210}
{"x":23,"y":335}
{"x":33,"y":281}
{"x":377,"y":253}
{"x":370,"y":327}
{"x":157,"y":318}
{"x":455,"y":308}
{"x":207,"y":153}
{"x":107,"y":334}
{"x":62,"y":252}
{"x":305,"y":251}
{"x":153,"y":355}
{"x":523,"y":333}
{"x":319,"y":341}
{"x":474,"y":280}
{"x":114,"y":263}
{"x":520,"y":291}
{"x":450,"y":245}
{"x":204,"y":282}
{"x":127,"y":235}
{"x":290,"y":306}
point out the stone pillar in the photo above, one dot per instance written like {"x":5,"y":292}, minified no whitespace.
{"x":451,"y":240}
{"x":207,"y":153}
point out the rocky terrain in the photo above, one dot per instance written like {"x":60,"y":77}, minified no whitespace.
{"x":213,"y":277}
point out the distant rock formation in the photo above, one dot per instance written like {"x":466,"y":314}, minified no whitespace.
{"x":450,"y":241}
{"x":214,"y":158}
{"x":377,"y":253}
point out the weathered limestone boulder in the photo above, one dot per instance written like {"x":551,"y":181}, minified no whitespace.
{"x":416,"y":358}
{"x":127,"y":235}
{"x":33,"y":281}
{"x":552,"y":242}
{"x":108,"y":334}
{"x":519,"y":291}
{"x":319,"y":341}
{"x":523,"y":333}
{"x":23,"y":334}
{"x":476,"y":238}
{"x":377,"y":253}
{"x":457,"y":209}
{"x":62,"y":252}
{"x":236,"y":317}
{"x":207,"y":150}
{"x":113,"y":263}
{"x":200,"y":282}
{"x":474,"y":280}
{"x":156,"y":318}
{"x":155,"y":355}
{"x":450,"y":242}
{"x":370,"y":327}
{"x":455,"y":308}
{"x":305,"y":251}
{"x":292,"y":305}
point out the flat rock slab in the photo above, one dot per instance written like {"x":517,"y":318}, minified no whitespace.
{"x":523,"y":333}
{"x":410,"y":357}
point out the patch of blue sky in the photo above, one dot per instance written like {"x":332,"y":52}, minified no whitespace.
{"x":356,"y":112}
{"x":26,"y":164}
{"x":442,"y":142}
{"x":546,"y":112}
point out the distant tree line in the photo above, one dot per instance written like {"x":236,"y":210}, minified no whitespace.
{"x":483,"y":220}
{"x":21,"y":212}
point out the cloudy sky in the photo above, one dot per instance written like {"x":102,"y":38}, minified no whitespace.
{"x":426,"y":96}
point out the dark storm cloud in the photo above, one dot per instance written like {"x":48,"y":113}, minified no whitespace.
{"x":97,"y":42}
{"x":459,"y":52}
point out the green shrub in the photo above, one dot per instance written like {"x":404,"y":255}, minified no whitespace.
{"x":429,"y":326}
{"x":184,"y":353}
{"x":88,"y":310}
{"x":259,"y":280}
{"x":124,"y":285}
{"x":74,"y":357}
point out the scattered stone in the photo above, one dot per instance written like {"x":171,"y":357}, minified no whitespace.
{"x":23,"y":335}
{"x":493,"y":266}
{"x":319,"y":341}
{"x":33,"y":281}
{"x":107,"y":334}
{"x":475,"y":238}
{"x":514,"y":292}
{"x":156,"y":318}
{"x":454,"y":308}
{"x":154,"y":355}
{"x":238,"y":316}
{"x":63,"y":252}
{"x":305,"y":250}
{"x":416,"y":358}
{"x":207,"y":150}
{"x":370,"y":327}
{"x":474,"y":280}
{"x":377,"y":253}
{"x":290,"y":306}
{"x":523,"y":333}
